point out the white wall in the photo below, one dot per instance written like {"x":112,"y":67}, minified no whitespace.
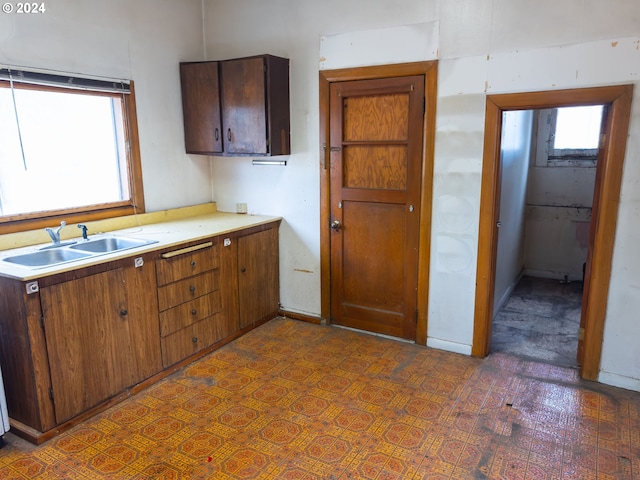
{"x":142,"y":40}
{"x":559,"y":202}
{"x":515,"y":156}
{"x":484,"y":47}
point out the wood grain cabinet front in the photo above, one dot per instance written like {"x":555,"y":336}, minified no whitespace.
{"x":72,"y":341}
{"x":189,"y":302}
{"x":102,"y":336}
{"x":237,"y":107}
{"x":75,"y":342}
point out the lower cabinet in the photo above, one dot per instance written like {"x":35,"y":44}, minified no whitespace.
{"x":80,"y":338}
{"x":102,"y":336}
{"x":258,"y":276}
{"x":241,"y":287}
{"x":188,"y":280}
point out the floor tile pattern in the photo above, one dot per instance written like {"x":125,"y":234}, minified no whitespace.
{"x":292,"y":400}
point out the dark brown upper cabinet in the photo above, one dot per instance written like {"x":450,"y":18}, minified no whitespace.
{"x":236,"y":107}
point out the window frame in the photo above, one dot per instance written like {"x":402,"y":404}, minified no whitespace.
{"x":134,"y":205}
{"x":547,"y":156}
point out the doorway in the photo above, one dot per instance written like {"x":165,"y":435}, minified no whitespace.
{"x":548,"y":164}
{"x":617,"y":100}
{"x":332,"y":305}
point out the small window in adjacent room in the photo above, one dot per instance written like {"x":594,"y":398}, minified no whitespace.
{"x":569,"y":136}
{"x":68,"y":149}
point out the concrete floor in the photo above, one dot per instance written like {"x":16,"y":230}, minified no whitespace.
{"x":540,"y":321}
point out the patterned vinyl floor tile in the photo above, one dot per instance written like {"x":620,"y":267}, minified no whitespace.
{"x":292,"y":400}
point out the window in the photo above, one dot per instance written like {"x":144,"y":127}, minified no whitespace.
{"x":569,"y":136}
{"x":68,"y":150}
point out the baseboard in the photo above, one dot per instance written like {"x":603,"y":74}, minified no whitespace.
{"x":619,"y":381}
{"x":449,"y":346}
{"x":572,"y":277}
{"x":302,"y":317}
{"x":506,"y":294}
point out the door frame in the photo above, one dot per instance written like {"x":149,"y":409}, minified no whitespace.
{"x":603,"y":218}
{"x":430,"y":71}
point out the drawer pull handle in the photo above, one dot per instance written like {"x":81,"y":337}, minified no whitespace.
{"x":193,"y":263}
{"x":195,"y":339}
{"x":187,"y":250}
{"x":192,"y":289}
{"x":194,"y":311}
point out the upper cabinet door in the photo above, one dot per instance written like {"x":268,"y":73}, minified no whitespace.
{"x":244,"y":106}
{"x":201,"y":107}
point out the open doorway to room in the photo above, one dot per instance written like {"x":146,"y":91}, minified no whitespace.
{"x":548,"y":165}
{"x":602,"y":227}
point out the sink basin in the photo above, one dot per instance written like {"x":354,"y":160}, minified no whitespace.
{"x":44,"y":258}
{"x":70,"y":251}
{"x":109,"y":244}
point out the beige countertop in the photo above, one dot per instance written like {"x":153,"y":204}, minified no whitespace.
{"x":167,"y":231}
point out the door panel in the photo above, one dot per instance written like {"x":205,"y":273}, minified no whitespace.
{"x":376,"y":145}
{"x":243,"y":105}
{"x":85,"y":332}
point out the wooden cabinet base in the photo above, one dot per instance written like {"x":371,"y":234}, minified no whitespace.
{"x":38,"y":438}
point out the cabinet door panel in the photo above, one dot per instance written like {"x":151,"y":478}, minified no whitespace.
{"x":258,"y":276}
{"x":201,"y":107}
{"x":244,"y":106}
{"x":84,"y":332}
{"x":144,"y":355}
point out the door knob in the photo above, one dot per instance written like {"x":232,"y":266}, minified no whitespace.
{"x":335,"y":225}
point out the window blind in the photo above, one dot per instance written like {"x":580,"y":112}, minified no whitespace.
{"x":18,"y":75}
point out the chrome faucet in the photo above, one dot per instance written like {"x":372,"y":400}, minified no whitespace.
{"x":55,"y":234}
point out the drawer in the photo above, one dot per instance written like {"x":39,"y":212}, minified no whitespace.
{"x":184,"y":262}
{"x":187,"y":289}
{"x":187,"y":341}
{"x":188,"y":313}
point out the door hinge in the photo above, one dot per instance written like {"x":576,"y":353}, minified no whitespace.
{"x":51,"y":393}
{"x":42,"y":321}
{"x":424,"y":105}
{"x":581,"y":334}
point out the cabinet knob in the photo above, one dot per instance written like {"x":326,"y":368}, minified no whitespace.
{"x":192,"y":289}
{"x":193,"y":312}
{"x":195,"y":339}
{"x":193,"y":263}
{"x":243,"y":269}
{"x":123,"y":313}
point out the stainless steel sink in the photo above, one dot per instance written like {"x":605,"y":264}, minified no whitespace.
{"x":44,"y":258}
{"x":109,"y":244}
{"x":70,"y":251}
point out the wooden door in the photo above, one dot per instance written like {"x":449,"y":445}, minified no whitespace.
{"x":244,"y":106}
{"x":85,"y":330}
{"x":376,"y":148}
{"x":258,"y":276}
{"x":201,"y":107}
